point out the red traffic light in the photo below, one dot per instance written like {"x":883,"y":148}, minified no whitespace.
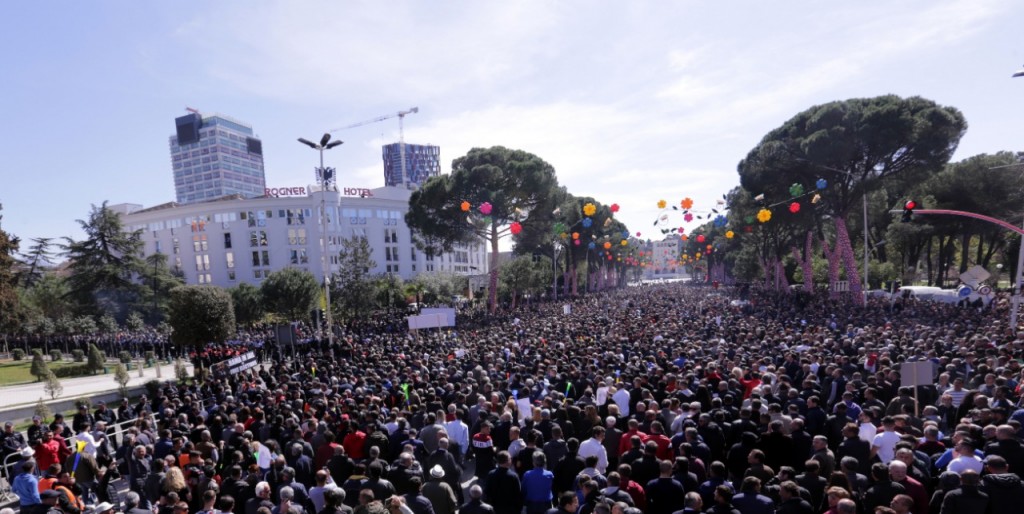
{"x":910,"y":205}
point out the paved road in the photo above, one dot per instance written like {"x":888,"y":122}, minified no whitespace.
{"x":29,"y":394}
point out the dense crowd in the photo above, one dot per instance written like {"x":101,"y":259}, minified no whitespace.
{"x":656,"y":399}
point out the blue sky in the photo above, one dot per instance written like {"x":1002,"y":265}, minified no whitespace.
{"x":630,"y":101}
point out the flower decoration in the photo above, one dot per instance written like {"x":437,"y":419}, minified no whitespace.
{"x":485,"y":208}
{"x":576,"y":242}
{"x":700,"y":238}
{"x":764,"y":215}
{"x":796,"y":189}
{"x":589,"y":209}
{"x":688,"y":217}
{"x":607,"y":245}
{"x":587,"y":222}
{"x":624,"y":242}
{"x":662,"y":204}
{"x":680,"y":230}
{"x":686,"y":237}
{"x":614,"y":208}
{"x":748,"y":219}
{"x":591,"y":245}
{"x":729,"y":234}
{"x":515,"y":228}
{"x":720,"y":221}
{"x":558,"y":228}
{"x":821,"y":183}
{"x":748,"y":229}
{"x":465,"y":206}
{"x":564,"y":235}
{"x":687,"y":203}
{"x":794,"y":207}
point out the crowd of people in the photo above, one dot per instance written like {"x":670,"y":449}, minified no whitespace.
{"x":665,"y":399}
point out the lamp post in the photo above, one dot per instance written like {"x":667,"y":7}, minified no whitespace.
{"x":556,"y":248}
{"x":1015,"y":299}
{"x":325,"y":176}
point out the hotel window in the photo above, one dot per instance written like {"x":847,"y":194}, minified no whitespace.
{"x":199,"y":243}
{"x":227,"y":240}
{"x":176,"y":246}
{"x":299,"y":256}
{"x":231,"y":275}
{"x":255,"y":258}
{"x":229,"y":257}
{"x":156,"y":246}
{"x":265,"y":257}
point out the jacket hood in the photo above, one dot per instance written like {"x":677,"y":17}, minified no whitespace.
{"x":1002,"y":480}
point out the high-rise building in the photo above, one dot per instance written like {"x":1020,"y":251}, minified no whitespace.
{"x":214,"y":156}
{"x":421,"y":163}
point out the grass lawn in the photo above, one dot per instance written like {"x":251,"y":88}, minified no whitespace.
{"x":16,"y":372}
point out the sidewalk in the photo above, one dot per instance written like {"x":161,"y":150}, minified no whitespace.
{"x":23,"y":395}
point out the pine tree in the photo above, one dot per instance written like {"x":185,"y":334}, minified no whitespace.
{"x":39,"y":367}
{"x":104,"y":265}
{"x":96,"y":359}
{"x":9,"y":304}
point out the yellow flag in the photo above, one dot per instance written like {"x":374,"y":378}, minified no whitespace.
{"x":80,"y":445}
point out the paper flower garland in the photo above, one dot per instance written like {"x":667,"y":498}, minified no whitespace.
{"x":515,"y":228}
{"x":764,"y":215}
{"x":687,"y":203}
{"x":589,"y":209}
{"x":614,"y":208}
{"x":662,"y":204}
{"x":485,"y":208}
{"x":796,"y":189}
{"x":465,"y":206}
{"x":794,"y":207}
{"x":729,"y":234}
{"x":587,"y":222}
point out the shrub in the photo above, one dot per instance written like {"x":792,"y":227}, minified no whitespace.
{"x":18,"y":354}
{"x":152,"y":388}
{"x":150,"y":357}
{"x":39,"y":368}
{"x":78,"y":355}
{"x":56,"y":355}
{"x":42,"y":410}
{"x":74,"y":370}
{"x":124,"y":357}
{"x":52,"y":386}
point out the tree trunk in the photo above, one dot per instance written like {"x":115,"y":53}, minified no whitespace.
{"x":965,"y":251}
{"x":845,"y":249}
{"x":575,"y":278}
{"x":807,"y":262}
{"x":833,"y":267}
{"x":928,"y":260}
{"x":492,"y":295}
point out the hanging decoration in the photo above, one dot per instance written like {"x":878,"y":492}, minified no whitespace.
{"x":687,"y":203}
{"x":688,"y":217}
{"x":589,"y":209}
{"x":821,"y":183}
{"x":794,"y":207}
{"x":465,"y":206}
{"x":576,"y":242}
{"x":575,"y":235}
{"x":591,"y":246}
{"x":764,"y":215}
{"x":607,"y":245}
{"x":587,"y":222}
{"x":720,"y":221}
{"x":515,"y":228}
{"x":729,"y":234}
{"x":614,"y":208}
{"x":662,"y":204}
{"x":485,"y":208}
{"x":796,"y":189}
{"x":624,"y":242}
{"x":700,"y":238}
{"x":816,"y":198}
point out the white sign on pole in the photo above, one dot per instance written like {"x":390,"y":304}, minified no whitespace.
{"x":447,"y":312}
{"x":567,"y":309}
{"x":916,"y":373}
{"x":427,"y":321}
{"x":974,"y":276}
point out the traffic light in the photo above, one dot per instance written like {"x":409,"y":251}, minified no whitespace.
{"x":908,"y":211}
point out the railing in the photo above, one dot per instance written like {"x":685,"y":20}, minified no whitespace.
{"x":116,"y":431}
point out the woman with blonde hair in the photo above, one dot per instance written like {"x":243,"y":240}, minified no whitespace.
{"x":174,"y":482}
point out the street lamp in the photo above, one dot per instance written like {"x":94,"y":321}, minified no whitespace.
{"x":325,"y":177}
{"x":1015,"y":299}
{"x":556,"y":248}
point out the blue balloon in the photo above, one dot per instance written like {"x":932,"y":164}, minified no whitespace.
{"x":587,"y":222}
{"x":822,"y":183}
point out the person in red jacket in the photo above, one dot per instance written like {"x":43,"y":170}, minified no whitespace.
{"x":355,"y":442}
{"x":664,"y":443}
{"x":634,"y":430}
{"x":47,"y":451}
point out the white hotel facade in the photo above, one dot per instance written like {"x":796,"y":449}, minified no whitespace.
{"x":232,"y":240}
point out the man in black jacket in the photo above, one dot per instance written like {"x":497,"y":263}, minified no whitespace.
{"x":967,"y":499}
{"x":1008,"y":447}
{"x":476,"y":504}
{"x":502,"y":487}
{"x":884,"y":489}
{"x":791,"y":502}
{"x":1004,"y":489}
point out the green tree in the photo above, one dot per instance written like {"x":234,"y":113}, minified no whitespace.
{"x":104,"y":264}
{"x":157,"y":280}
{"x":134,"y":322}
{"x":519,"y":187}
{"x":248,"y":302}
{"x":38,"y":258}
{"x":50,"y":296}
{"x":200,"y":315}
{"x":389,"y":292}
{"x":86,"y":325}
{"x":353,"y":283}
{"x":121,"y":377}
{"x":96,"y":360}
{"x":290,"y":293}
{"x":439,"y":286}
{"x":9,"y":304}
{"x":521,"y":276}
{"x":108,"y":325}
{"x":52,"y":386}
{"x":858,"y":145}
{"x":39,"y":367}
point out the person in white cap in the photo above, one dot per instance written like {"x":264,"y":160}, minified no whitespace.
{"x":103,"y":508}
{"x":440,"y":494}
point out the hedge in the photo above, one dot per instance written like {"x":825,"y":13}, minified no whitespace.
{"x":56,"y":355}
{"x":73,"y":370}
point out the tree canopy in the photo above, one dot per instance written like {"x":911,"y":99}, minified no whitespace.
{"x":200,"y":315}
{"x":104,"y":265}
{"x":290,"y":293}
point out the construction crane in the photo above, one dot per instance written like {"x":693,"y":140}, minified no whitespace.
{"x":401,"y":130}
